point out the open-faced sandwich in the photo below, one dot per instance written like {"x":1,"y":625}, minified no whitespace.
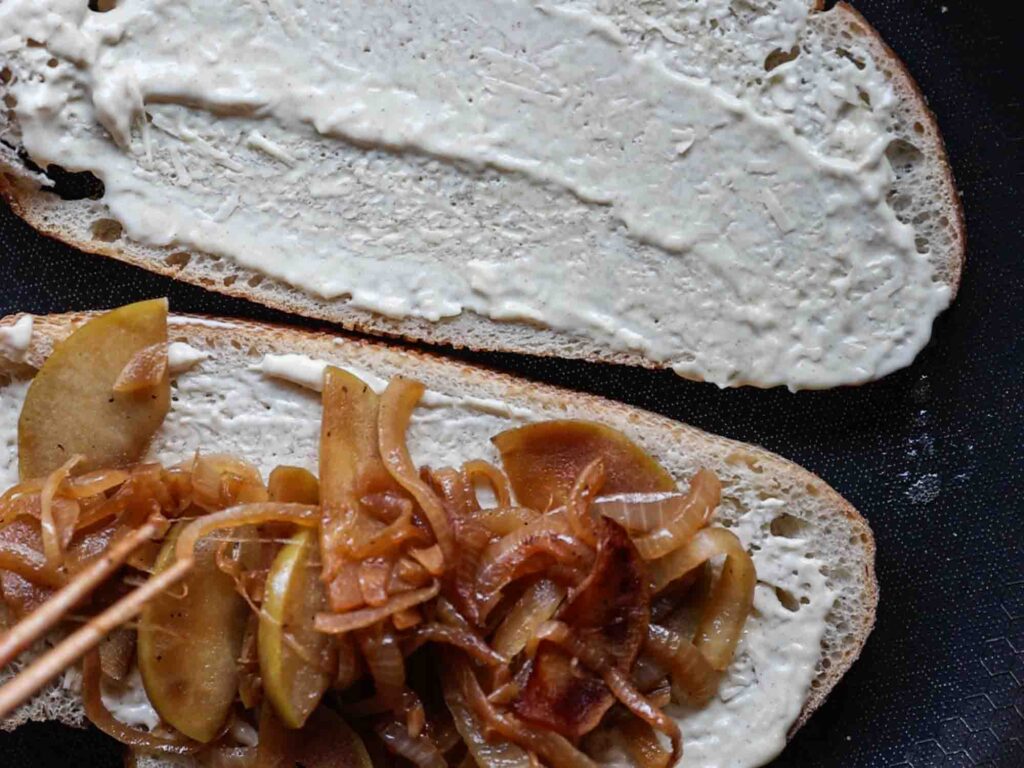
{"x":273,"y":548}
{"x":745,"y":192}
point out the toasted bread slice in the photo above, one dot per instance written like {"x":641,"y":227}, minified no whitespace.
{"x":744,"y":53}
{"x":227,"y":402}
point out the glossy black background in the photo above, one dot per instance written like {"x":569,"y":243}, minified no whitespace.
{"x":931,"y":455}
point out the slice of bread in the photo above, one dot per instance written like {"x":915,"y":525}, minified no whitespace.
{"x":804,"y":514}
{"x":744,"y":50}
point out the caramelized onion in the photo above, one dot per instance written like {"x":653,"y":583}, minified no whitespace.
{"x":472,"y":539}
{"x":55,"y":534}
{"x":525,"y":551}
{"x":643,"y":746}
{"x":380,"y":648}
{"x":486,"y":752}
{"x":101,"y":717}
{"x":501,"y":521}
{"x":339,"y":623}
{"x":96,"y":482}
{"x":691,"y":672}
{"x":727,"y":608}
{"x":350,"y":667}
{"x":552,"y":747}
{"x":20,"y":553}
{"x":616,"y":679}
{"x":244,"y":514}
{"x":694,"y":512}
{"x":389,"y":538}
{"x":458,"y":637}
{"x":479,"y":469}
{"x":419,"y":750}
{"x":534,"y":607}
{"x":581,"y":519}
{"x":608,"y":614}
{"x":705,"y":544}
{"x":373,"y":580}
{"x":396,"y":405}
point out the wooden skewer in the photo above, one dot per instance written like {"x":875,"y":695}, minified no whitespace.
{"x":55,"y":661}
{"x":50,"y":613}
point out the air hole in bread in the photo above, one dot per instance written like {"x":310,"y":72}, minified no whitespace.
{"x":10,"y":101}
{"x":788,"y":527}
{"x":788,"y":599}
{"x":903,"y":155}
{"x":102,"y":6}
{"x":106,"y":230}
{"x":230,"y":280}
{"x":255,"y":280}
{"x":857,"y":62}
{"x":778,"y":57}
{"x":6,"y":75}
{"x":70,"y":185}
{"x":179,"y":259}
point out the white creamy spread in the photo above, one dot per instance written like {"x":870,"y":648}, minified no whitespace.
{"x":258,"y":413}
{"x":127,"y":701}
{"x":182,"y":356}
{"x":524,"y":161}
{"x":15,"y":339}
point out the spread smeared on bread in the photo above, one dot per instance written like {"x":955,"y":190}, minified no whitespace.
{"x":746,"y":197}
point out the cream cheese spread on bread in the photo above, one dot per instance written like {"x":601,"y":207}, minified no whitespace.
{"x":15,"y":339}
{"x":269,"y":414}
{"x":541,"y":163}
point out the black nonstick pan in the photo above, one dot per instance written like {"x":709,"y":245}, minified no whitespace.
{"x":932,"y":455}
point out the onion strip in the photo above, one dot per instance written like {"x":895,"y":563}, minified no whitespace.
{"x":478,"y":468}
{"x":101,"y":717}
{"x":536,"y":606}
{"x":396,"y":406}
{"x":339,"y":623}
{"x":578,"y":512}
{"x":694,"y":512}
{"x":554,"y":748}
{"x":618,"y":682}
{"x":691,"y":672}
{"x":53,"y":534}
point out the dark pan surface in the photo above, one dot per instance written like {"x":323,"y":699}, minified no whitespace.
{"x":932,"y":455}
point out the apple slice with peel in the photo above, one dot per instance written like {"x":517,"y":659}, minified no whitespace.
{"x":73,"y":407}
{"x":295,"y":660}
{"x":189,"y":641}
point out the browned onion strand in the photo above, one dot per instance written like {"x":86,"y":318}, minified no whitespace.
{"x":461,"y":638}
{"x":396,"y":406}
{"x":484,"y":470}
{"x":339,"y":623}
{"x":419,"y":750}
{"x":691,"y":671}
{"x":552,"y":747}
{"x":643,"y":746}
{"x":380,"y":647}
{"x":534,"y":607}
{"x":694,"y":512}
{"x":54,"y":534}
{"x":617,"y":681}
{"x":578,"y":512}
{"x":527,"y":550}
{"x":101,"y":717}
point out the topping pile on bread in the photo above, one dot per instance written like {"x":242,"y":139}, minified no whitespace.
{"x":381,"y":554}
